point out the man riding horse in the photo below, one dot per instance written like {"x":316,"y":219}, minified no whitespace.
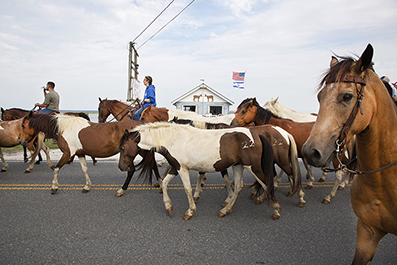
{"x":51,"y":100}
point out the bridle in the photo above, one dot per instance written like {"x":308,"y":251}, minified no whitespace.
{"x":120,"y":112}
{"x":341,"y":141}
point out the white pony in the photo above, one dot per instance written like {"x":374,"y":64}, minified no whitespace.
{"x":284,"y":112}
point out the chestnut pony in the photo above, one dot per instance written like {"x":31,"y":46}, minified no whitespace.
{"x":249,"y":111}
{"x":354,"y":101}
{"x":118,"y":109}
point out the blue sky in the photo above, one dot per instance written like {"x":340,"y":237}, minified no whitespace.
{"x":284,"y":46}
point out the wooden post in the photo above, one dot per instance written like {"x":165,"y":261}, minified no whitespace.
{"x":132,"y":69}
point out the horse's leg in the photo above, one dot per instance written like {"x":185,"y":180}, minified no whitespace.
{"x":323,"y":176}
{"x":31,"y":163}
{"x":199,"y":188}
{"x":228,"y":185}
{"x":277,"y":179}
{"x":165,"y":173}
{"x":166,"y":198}
{"x":366,"y":242}
{"x":25,"y":155}
{"x":338,"y":179}
{"x":127,"y":181}
{"x":184,"y":173}
{"x":275,"y":204}
{"x":238,"y":186}
{"x":47,"y":153}
{"x":309,"y":174}
{"x":83,"y":164}
{"x":65,"y":157}
{"x":5,"y":165}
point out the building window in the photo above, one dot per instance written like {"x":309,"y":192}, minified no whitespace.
{"x":189,"y":108}
{"x":216,"y":110}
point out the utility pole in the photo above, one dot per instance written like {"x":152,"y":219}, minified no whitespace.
{"x":132,"y":71}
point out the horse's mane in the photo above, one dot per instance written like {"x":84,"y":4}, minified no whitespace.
{"x":160,"y":132}
{"x":17,"y":109}
{"x":113,"y":102}
{"x":66,"y":121}
{"x":262,"y":114}
{"x":43,"y":123}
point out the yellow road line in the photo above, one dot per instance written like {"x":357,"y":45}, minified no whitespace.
{"x":133,"y":186}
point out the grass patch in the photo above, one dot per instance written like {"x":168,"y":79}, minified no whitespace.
{"x":49,"y":143}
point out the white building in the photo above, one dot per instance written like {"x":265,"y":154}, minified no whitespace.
{"x":204,"y":101}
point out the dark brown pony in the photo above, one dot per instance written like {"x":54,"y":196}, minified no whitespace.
{"x":77,"y":136}
{"x":354,"y":101}
{"x":118,"y":109}
{"x":249,"y":111}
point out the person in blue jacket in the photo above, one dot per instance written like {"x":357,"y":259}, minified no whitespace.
{"x":149,"y":98}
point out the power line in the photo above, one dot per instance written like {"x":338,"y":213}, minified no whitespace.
{"x":166,"y":24}
{"x":153,"y":21}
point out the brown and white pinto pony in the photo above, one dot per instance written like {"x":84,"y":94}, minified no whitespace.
{"x":285,"y":155}
{"x":188,"y":148}
{"x":77,"y":136}
{"x":354,"y":101}
{"x":249,"y":111}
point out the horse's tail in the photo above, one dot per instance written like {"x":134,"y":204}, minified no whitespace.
{"x":267,"y":161}
{"x":147,"y":164}
{"x":296,"y":172}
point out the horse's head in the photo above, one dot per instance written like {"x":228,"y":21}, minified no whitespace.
{"x":346,"y":102}
{"x":103,"y":111}
{"x":245,"y":112}
{"x":28,"y":133}
{"x":128,"y":150}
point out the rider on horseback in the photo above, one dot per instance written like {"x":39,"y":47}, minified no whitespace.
{"x":149,"y":97}
{"x":51,"y":100}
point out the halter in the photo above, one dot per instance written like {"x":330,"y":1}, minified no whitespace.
{"x":121,"y":112}
{"x":341,"y":141}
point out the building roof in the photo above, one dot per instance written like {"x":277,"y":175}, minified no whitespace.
{"x":201,"y":87}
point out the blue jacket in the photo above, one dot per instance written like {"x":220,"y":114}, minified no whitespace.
{"x":150,"y":93}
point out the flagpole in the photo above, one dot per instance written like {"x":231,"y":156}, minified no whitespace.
{"x":245,"y":87}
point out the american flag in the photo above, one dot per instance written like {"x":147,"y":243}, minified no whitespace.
{"x":238,"y":80}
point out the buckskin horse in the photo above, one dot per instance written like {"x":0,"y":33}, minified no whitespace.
{"x":354,"y":101}
{"x":77,"y":136}
{"x":211,"y":151}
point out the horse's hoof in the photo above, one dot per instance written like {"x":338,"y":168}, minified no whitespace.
{"x":3,"y":170}
{"x":341,"y":188}
{"x":275,"y":217}
{"x":27,"y":171}
{"x":275,"y":187}
{"x":308,"y":187}
{"x":118,"y":194}
{"x":85,"y":191}
{"x":325,"y":201}
{"x":186,"y":217}
{"x":321,"y":180}
{"x":169,"y":210}
{"x":53,"y":191}
{"x":156,"y":185}
{"x":220,"y":214}
{"x":37,"y":163}
{"x":196,"y":199}
{"x":94,"y":162}
{"x":301,"y":204}
{"x":257,"y":201}
{"x":161,"y":191}
{"x":52,"y":167}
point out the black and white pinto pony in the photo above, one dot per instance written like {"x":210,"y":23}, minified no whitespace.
{"x":188,"y":148}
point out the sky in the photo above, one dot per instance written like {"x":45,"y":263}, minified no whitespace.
{"x":284,"y":46}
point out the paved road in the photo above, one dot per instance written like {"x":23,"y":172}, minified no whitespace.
{"x":97,"y":228}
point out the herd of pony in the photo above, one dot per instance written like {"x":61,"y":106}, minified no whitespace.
{"x":355,"y":130}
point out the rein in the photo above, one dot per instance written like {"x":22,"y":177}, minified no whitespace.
{"x":341,"y":141}
{"x":121,"y":112}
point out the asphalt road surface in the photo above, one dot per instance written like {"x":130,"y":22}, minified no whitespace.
{"x":97,"y":228}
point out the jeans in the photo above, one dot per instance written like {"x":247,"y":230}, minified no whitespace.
{"x":137,"y":115}
{"x":46,"y":111}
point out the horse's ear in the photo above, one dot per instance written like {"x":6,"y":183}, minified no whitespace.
{"x":100,"y":100}
{"x":334,"y":61}
{"x":365,"y":60}
{"x":30,"y":113}
{"x":275,"y":101}
{"x":2,"y":110}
